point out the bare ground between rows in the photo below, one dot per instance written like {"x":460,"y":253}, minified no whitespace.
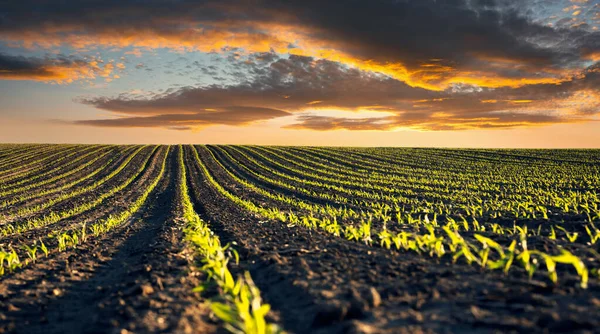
{"x":10,"y":153}
{"x":572,"y":222}
{"x":291,"y":163}
{"x":51,"y":170}
{"x":135,"y":278}
{"x":320,"y":283}
{"x":117,"y":156}
{"x":9,"y":169}
{"x":241,"y":172}
{"x":579,"y":247}
{"x":25,"y":168}
{"x":291,"y":193}
{"x":365,"y":166}
{"x":296,"y":174}
{"x":114,"y":204}
{"x":70,"y":203}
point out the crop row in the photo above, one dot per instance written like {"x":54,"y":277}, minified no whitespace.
{"x":95,"y":201}
{"x":582,"y":206}
{"x":240,"y":305}
{"x":25,"y":170}
{"x":71,"y":167}
{"x":425,"y":235}
{"x":27,"y":193}
{"x":14,"y":161}
{"x":27,"y":252}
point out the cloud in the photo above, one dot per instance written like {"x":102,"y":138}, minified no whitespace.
{"x":287,"y":83}
{"x":325,"y":123}
{"x":425,"y":121}
{"x":60,"y":69}
{"x":425,"y":64}
{"x":306,"y":88}
{"x":231,"y":115}
{"x":276,"y":88}
{"x":428,"y":44}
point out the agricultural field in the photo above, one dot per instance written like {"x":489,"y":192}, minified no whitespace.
{"x":267,"y":239}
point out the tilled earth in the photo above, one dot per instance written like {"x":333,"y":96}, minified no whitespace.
{"x":139,"y":278}
{"x":321,"y":283}
{"x":135,"y":279}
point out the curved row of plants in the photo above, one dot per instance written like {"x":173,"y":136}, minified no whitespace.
{"x":239,"y":304}
{"x":432,"y":238}
{"x":26,"y":253}
{"x":93,"y":201}
{"x":63,"y":170}
{"x":24,"y":169}
{"x":32,"y":192}
{"x":572,"y":206}
{"x":23,"y":155}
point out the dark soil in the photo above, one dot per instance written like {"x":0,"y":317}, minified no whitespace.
{"x":139,"y":278}
{"x":572,"y":222}
{"x":241,"y":172}
{"x":134,"y":279}
{"x":123,"y":175}
{"x":57,"y":166}
{"x":116,"y":203}
{"x":118,"y":157}
{"x":24,"y":167}
{"x":320,"y":283}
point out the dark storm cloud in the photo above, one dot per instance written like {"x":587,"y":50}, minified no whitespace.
{"x":58,"y":69}
{"x":430,"y":63}
{"x":467,"y":38}
{"x":416,"y":31}
{"x":16,"y":65}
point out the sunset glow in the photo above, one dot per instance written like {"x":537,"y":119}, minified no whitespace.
{"x":418,"y":73}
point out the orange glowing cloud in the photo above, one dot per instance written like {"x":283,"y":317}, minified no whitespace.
{"x":190,"y":38}
{"x":461,"y":47}
{"x":593,"y":56}
{"x":283,"y":38}
{"x":325,"y":95}
{"x":59,"y":71}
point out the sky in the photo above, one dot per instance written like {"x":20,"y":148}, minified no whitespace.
{"x":454,"y":73}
